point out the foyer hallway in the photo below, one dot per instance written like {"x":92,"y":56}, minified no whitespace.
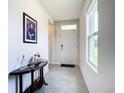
{"x":64,"y":80}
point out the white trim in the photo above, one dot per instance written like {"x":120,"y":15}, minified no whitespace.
{"x":91,"y":6}
{"x":92,"y":67}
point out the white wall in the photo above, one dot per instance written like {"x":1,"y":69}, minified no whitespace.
{"x":103,"y":82}
{"x":51,"y":39}
{"x":16,"y":46}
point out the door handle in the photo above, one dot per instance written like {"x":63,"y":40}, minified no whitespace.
{"x":62,"y":47}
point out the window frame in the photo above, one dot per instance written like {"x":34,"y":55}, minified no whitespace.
{"x":92,"y":5}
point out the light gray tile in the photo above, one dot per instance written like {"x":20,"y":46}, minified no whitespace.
{"x":64,"y":80}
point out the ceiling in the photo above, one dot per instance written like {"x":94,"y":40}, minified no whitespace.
{"x":63,"y":9}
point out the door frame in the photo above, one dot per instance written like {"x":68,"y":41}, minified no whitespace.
{"x":57,"y":28}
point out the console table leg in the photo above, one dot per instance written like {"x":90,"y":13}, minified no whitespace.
{"x":32,"y":81}
{"x":42,"y":76}
{"x":45,"y":83}
{"x":16,"y":83}
{"x":20,"y":81}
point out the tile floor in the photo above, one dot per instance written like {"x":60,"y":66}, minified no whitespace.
{"x":64,"y":80}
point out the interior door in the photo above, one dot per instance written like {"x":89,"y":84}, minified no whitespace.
{"x":68,"y":47}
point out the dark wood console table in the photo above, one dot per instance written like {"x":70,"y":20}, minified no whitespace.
{"x":27,"y":69}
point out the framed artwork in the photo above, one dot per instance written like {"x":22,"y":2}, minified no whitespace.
{"x":29,"y":29}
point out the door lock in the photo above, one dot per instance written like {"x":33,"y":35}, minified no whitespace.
{"x":62,"y":47}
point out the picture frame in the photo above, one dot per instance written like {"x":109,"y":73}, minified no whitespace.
{"x":29,"y":29}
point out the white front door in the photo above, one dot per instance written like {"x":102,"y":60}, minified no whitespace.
{"x":68,"y":47}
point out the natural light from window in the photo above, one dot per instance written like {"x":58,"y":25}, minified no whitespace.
{"x":92,"y":36}
{"x":69,"y":27}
